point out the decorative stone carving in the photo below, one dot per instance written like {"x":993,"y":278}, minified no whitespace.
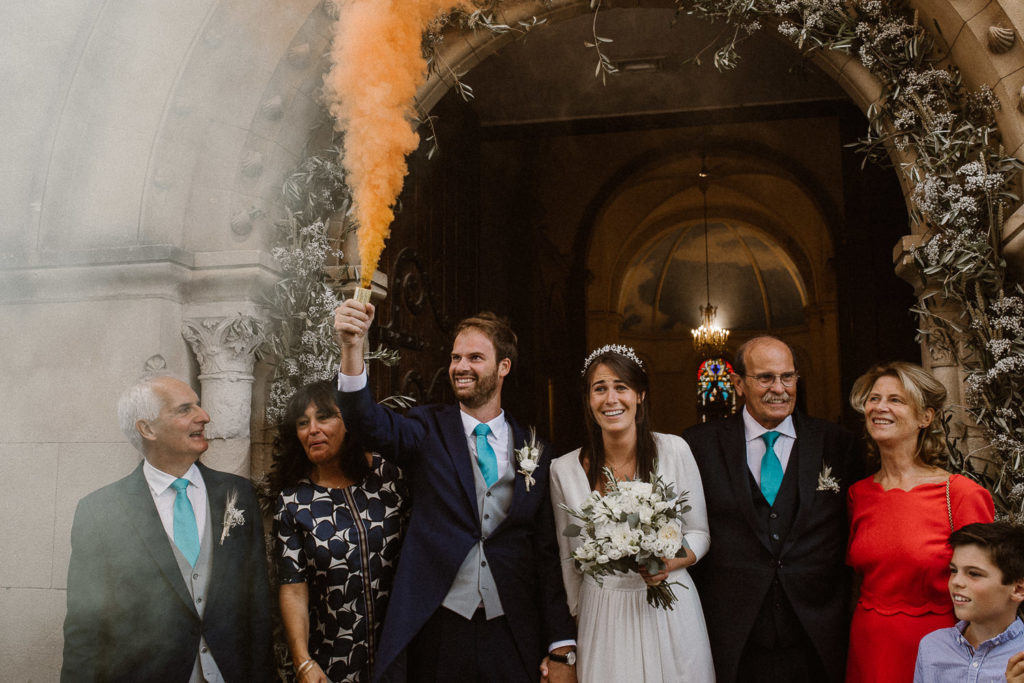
{"x":941,"y":348}
{"x":1000,"y":39}
{"x":273,"y":108}
{"x":225,"y":348}
{"x":330,"y":8}
{"x":298,"y":56}
{"x":155,"y":363}
{"x":252,"y":164}
{"x":242,"y":221}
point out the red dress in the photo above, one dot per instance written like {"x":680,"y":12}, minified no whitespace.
{"x":898,"y":544}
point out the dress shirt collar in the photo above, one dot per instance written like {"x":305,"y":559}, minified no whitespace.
{"x":1014,"y":630}
{"x":159,"y":481}
{"x":499,"y":426}
{"x":752,"y":429}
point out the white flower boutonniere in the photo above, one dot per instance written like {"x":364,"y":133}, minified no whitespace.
{"x":826,"y":482}
{"x":528,"y":457}
{"x":232,"y":515}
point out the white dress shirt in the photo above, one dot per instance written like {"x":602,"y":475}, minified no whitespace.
{"x":498,"y":438}
{"x":163,"y":495}
{"x":756,"y":446}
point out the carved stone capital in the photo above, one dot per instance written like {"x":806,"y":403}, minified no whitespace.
{"x":224,"y":346}
{"x":903,"y":260}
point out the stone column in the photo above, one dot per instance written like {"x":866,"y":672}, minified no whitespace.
{"x":225,"y":350}
{"x":943,"y":353}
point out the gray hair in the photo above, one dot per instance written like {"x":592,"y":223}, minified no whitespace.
{"x":138,"y":402}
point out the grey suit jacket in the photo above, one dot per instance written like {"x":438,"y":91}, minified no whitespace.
{"x":130,"y":615}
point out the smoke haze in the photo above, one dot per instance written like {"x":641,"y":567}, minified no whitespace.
{"x":377,"y":66}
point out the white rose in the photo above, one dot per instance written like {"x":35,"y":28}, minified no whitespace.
{"x":642,"y":489}
{"x":671,"y":537}
{"x":621,"y":535}
{"x":527,"y":465}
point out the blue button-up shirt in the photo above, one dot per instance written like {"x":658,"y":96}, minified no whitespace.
{"x":945,"y":656}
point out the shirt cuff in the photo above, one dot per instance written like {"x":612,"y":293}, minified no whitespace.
{"x":350,"y":383}
{"x":561,"y":643}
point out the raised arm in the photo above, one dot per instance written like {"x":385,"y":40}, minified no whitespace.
{"x":351,"y":324}
{"x":380,"y":429}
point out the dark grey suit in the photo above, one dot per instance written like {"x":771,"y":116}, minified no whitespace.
{"x":775,"y":575}
{"x":130,"y":615}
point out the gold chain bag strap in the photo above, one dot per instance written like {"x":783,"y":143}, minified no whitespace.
{"x":949,"y":508}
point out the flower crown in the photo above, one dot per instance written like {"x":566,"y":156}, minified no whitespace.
{"x":620,"y":349}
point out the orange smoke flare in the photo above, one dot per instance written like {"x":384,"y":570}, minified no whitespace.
{"x":377,"y":67}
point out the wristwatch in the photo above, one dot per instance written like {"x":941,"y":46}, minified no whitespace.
{"x":568,"y":658}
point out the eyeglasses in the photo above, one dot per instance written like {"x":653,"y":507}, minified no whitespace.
{"x":766,"y":379}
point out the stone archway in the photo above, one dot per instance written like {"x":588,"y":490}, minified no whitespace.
{"x":962,"y":30}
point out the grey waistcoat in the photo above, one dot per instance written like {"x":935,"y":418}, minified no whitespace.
{"x":197,"y":580}
{"x":474,"y":584}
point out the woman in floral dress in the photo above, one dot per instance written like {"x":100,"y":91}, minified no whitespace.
{"x":338,"y":522}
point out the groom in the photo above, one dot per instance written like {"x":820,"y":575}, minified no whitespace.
{"x":478,"y":595}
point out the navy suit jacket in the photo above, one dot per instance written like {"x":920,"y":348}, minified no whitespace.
{"x":130,"y":616}
{"x":734,"y":578}
{"x":430,"y":445}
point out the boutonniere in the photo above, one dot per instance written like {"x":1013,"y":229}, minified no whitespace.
{"x":232,"y":515}
{"x":826,"y":482}
{"x":528,"y":456}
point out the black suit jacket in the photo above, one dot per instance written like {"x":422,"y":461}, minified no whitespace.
{"x":430,"y":445}
{"x":130,"y":616}
{"x":737,"y":573}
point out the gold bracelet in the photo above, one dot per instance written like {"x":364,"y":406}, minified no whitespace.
{"x":304,"y":667}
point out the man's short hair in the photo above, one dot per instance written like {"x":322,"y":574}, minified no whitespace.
{"x":739,"y":363}
{"x":138,"y":402}
{"x":1003,"y":541}
{"x":497,"y":329}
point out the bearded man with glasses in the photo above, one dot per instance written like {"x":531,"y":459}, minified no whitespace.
{"x":775,"y":586}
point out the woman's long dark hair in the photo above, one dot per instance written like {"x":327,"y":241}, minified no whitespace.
{"x":592,"y":455}
{"x":290,"y":462}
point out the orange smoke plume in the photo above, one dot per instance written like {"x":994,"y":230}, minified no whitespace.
{"x":377,"y":65}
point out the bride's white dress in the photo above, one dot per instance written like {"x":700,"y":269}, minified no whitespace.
{"x":620,"y":637}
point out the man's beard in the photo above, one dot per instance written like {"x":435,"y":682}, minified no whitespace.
{"x":481,"y":392}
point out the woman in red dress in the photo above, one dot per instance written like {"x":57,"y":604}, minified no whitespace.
{"x":900,"y":520}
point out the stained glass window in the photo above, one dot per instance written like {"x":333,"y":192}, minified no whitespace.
{"x":716,"y":396}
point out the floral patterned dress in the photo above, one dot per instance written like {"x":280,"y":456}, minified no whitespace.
{"x":344,"y":543}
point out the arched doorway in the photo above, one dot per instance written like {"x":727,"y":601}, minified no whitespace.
{"x":546,"y":163}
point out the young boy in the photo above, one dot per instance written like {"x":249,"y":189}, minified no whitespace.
{"x":986,"y":583}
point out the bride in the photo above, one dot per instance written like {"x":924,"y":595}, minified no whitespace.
{"x":620,"y":636}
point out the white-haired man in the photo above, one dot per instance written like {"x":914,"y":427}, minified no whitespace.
{"x":167,"y":580}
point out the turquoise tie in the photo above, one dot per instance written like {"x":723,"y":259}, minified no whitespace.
{"x":771,"y":468}
{"x":186,"y":534}
{"x":485,"y":456}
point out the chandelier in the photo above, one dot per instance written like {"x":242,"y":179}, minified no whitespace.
{"x":709,"y":339}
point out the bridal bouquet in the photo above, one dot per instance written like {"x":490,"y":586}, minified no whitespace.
{"x":633,"y":525}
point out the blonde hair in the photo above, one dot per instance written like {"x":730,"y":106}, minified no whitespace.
{"x":924,"y":392}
